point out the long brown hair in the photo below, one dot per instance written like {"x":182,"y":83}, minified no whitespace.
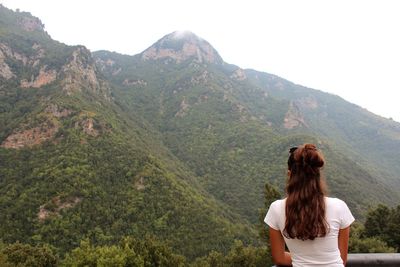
{"x":306,"y":190}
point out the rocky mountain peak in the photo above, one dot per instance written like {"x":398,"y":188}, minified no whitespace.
{"x":180,"y":46}
{"x":80,"y":73}
{"x":23,"y":20}
{"x":30,"y":24}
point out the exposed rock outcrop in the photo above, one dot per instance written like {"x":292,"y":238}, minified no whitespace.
{"x":29,"y":23}
{"x":5,"y":70}
{"x":44,"y":77}
{"x":308,"y":102}
{"x":200,"y":79}
{"x":133,"y":82}
{"x":293,"y":117}
{"x":184,"y":107}
{"x":139,"y":184}
{"x":10,"y":53}
{"x":88,"y":126}
{"x":55,"y":206}
{"x":239,"y":75}
{"x":31,"y":136}
{"x":108,"y":65}
{"x":180,"y":46}
{"x":80,"y":73}
{"x":58,"y":112}
{"x":201,"y":99}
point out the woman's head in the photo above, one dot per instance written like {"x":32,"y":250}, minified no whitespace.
{"x":305,"y":204}
{"x":304,"y":165}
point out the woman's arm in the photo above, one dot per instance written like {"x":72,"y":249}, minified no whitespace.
{"x":279,"y":255}
{"x":343,"y":243}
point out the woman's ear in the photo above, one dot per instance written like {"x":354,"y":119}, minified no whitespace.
{"x":288,"y":173}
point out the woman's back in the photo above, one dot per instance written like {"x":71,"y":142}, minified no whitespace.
{"x":322,"y":251}
{"x":314,"y":227}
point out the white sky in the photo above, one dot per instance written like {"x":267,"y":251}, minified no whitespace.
{"x":347,"y":47}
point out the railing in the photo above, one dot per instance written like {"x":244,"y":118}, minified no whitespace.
{"x":373,"y":259}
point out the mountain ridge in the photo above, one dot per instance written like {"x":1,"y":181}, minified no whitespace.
{"x":183,"y":106}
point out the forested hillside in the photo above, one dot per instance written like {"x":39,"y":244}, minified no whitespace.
{"x":74,"y":165}
{"x":164,"y":156}
{"x":233,"y":127}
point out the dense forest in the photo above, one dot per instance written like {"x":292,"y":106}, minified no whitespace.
{"x":170,"y":157}
{"x":379,"y":234}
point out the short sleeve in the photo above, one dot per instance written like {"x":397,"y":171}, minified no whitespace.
{"x":272,"y":216}
{"x":346,"y":218}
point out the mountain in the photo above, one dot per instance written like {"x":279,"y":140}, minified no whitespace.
{"x":75,"y":165}
{"x":363,"y":135}
{"x":172,"y":142}
{"x":181,"y":46}
{"x":233,"y":127}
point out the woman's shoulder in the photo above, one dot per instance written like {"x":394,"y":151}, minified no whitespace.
{"x":338,"y":209}
{"x":333,"y":201}
{"x":278,"y":203}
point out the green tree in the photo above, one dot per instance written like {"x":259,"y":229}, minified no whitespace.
{"x":360,"y":244}
{"x":238,"y":256}
{"x":393,"y":238}
{"x":214,"y":259}
{"x":241,"y":256}
{"x":129,"y":253}
{"x":383,"y":223}
{"x":376,"y":223}
{"x":88,"y":255}
{"x":154,"y":252}
{"x":271,"y":194}
{"x":22,"y":255}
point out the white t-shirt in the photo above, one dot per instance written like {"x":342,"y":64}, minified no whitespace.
{"x":322,"y":251}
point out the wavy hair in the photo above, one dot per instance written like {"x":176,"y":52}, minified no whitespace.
{"x":306,"y":190}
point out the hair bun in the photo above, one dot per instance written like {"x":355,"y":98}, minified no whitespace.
{"x":309,"y":158}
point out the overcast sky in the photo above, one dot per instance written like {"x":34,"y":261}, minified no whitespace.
{"x":350,"y":48}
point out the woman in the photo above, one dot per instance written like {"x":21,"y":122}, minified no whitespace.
{"x":314,"y":227}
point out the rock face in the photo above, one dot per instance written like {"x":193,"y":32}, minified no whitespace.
{"x":181,"y":46}
{"x":58,"y":112}
{"x":31,"y":136}
{"x":44,"y":77}
{"x":109,"y":66}
{"x":293,"y":118}
{"x":30,"y":24}
{"x":87,"y":126}
{"x":32,"y":60}
{"x":308,"y":102}
{"x":239,"y":75}
{"x":134,"y":82}
{"x":139,"y":184}
{"x":184,"y":108}
{"x":201,"y":78}
{"x":7,"y":53}
{"x":55,"y":206}
{"x":77,"y":74}
{"x":80,"y":73}
{"x":5,"y":70}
